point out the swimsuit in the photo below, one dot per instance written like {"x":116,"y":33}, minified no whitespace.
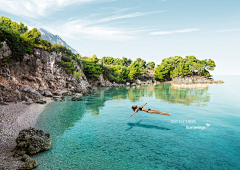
{"x":147,"y":111}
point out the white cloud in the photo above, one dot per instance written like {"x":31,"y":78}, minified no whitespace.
{"x":98,"y":28}
{"x":132,"y":15}
{"x":79,"y":29}
{"x":120,"y":10}
{"x":174,"y":31}
{"x":36,"y":8}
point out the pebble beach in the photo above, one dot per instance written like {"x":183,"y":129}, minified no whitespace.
{"x":13,"y":118}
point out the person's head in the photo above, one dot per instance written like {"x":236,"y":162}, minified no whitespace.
{"x":134,"y":107}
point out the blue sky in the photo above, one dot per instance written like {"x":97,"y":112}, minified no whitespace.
{"x":151,"y":30}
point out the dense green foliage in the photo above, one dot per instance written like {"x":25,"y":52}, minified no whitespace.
{"x":116,"y":73}
{"x":122,"y":70}
{"x":68,"y":66}
{"x":151,"y":65}
{"x":18,"y":38}
{"x":21,"y":40}
{"x":178,"y":66}
{"x":91,"y":68}
{"x":134,"y":71}
{"x":116,"y":61}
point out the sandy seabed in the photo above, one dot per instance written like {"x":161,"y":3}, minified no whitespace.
{"x":13,"y":118}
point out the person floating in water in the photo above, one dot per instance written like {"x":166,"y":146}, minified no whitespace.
{"x":136,"y":109}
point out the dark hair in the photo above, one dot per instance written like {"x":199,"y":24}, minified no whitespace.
{"x":134,"y":107}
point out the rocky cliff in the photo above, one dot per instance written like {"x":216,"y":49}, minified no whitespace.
{"x":39,"y":74}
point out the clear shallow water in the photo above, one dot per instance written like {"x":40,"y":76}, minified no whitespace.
{"x":97,"y":132}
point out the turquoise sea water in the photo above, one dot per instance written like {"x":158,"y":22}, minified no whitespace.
{"x":97,"y":132}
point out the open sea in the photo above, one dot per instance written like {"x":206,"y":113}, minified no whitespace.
{"x":97,"y":133}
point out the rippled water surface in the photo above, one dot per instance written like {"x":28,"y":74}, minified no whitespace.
{"x":97,"y":132}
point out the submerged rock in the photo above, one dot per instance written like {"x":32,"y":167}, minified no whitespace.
{"x":77,"y":97}
{"x":29,"y":162}
{"x":31,"y":141}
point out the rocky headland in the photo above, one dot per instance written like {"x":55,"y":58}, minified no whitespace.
{"x":40,"y":74}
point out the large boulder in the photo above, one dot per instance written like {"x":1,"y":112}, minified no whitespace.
{"x":48,"y":93}
{"x":32,"y":93}
{"x":31,"y":141}
{"x":77,"y":97}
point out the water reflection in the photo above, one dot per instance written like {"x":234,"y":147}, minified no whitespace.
{"x":63,"y":115}
{"x":189,"y":95}
{"x":138,"y":124}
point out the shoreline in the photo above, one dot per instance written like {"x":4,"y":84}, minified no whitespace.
{"x":13,"y":118}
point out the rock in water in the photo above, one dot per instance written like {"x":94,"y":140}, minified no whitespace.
{"x":77,"y":97}
{"x":29,"y":162}
{"x":31,"y":141}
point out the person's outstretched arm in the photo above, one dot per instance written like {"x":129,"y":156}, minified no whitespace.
{"x":135,"y":112}
{"x":138,"y":109}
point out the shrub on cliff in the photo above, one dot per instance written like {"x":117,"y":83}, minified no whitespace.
{"x":78,"y":74}
{"x":61,"y":49}
{"x":18,"y":38}
{"x":68,"y":66}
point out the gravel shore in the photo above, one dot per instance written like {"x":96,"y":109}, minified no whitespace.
{"x":13,"y":118}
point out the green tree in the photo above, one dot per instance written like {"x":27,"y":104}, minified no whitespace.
{"x":151,"y":65}
{"x":141,"y":63}
{"x":107,"y":60}
{"x":93,"y":59}
{"x":18,"y":38}
{"x":126,"y":61}
{"x":178,"y":66}
{"x":134,"y":71}
{"x":92,"y":70}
